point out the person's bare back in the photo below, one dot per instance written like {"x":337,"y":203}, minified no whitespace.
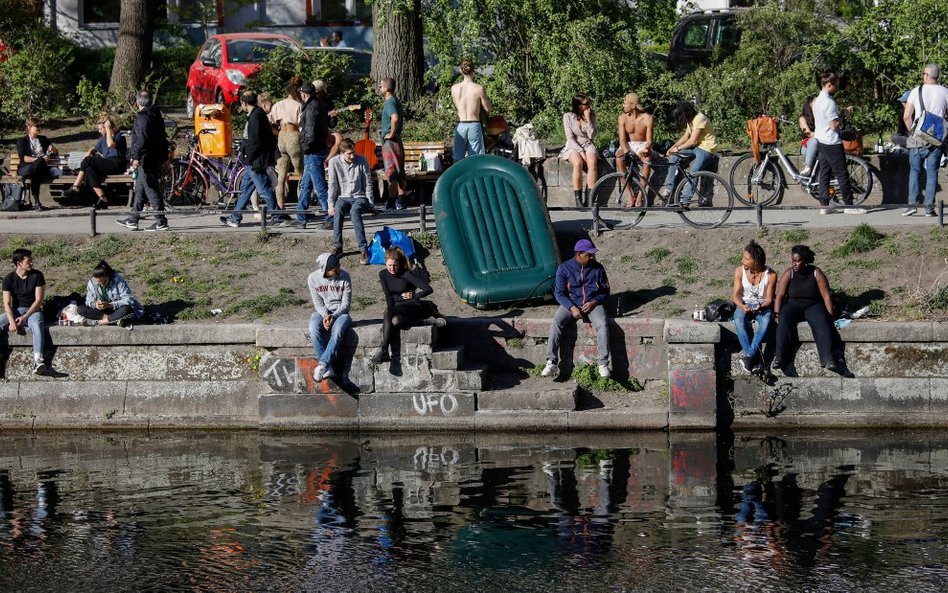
{"x":469,"y":97}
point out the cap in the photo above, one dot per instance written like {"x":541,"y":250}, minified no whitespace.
{"x":319,"y":86}
{"x":308,"y":89}
{"x":332,"y":262}
{"x":584,"y":246}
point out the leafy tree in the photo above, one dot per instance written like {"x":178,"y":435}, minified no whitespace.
{"x":397,"y":52}
{"x":133,"y":51}
{"x":26,"y":87}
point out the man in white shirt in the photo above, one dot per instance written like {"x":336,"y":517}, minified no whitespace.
{"x":830,"y":151}
{"x":934,"y":98}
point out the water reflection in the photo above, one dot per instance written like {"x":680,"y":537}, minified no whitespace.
{"x":244,"y":511}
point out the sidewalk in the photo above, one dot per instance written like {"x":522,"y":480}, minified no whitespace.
{"x":71,"y":221}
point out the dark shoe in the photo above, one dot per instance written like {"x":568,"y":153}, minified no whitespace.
{"x":101,"y":205}
{"x":337,"y":251}
{"x":39,"y":367}
{"x":326,"y":225}
{"x":777,"y":364}
{"x":436,"y":321}
{"x":158,"y":226}
{"x":125,"y":222}
{"x":381,"y":357}
{"x":125,"y":322}
{"x":830,"y":366}
{"x":578,"y":198}
{"x":298,"y":225}
{"x":747,"y":363}
{"x":72,"y":193}
{"x":364,"y":258}
{"x":279,"y":222}
{"x":931,"y":213}
{"x":230,"y":222}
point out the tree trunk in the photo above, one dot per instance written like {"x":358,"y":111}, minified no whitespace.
{"x":133,"y":52}
{"x":398,"y":51}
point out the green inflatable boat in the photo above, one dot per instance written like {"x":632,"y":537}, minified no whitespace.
{"x":495,"y":233}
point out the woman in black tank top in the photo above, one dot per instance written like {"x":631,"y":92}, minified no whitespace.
{"x":804,"y":293}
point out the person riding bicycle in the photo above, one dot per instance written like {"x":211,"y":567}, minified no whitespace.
{"x":635,"y":137}
{"x":697,"y":140}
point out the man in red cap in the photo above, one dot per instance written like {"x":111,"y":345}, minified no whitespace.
{"x":581,"y":289}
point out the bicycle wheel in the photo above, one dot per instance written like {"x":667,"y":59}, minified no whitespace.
{"x":711,"y":203}
{"x":189,"y":189}
{"x":860,"y":178}
{"x":616,"y":188}
{"x":755,"y":184}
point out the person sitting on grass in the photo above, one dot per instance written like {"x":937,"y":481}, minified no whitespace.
{"x":754,"y":286}
{"x":109,"y":299}
{"x":108,"y":157}
{"x":581,"y":289}
{"x":403,"y":288}
{"x":330,"y":288}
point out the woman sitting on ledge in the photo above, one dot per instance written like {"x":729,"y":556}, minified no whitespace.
{"x":109,"y":299}
{"x":804,"y":293}
{"x":403,"y":288}
{"x":753,"y":295}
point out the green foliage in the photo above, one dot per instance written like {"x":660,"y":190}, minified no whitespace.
{"x":261,"y":305}
{"x":587,"y":376}
{"x":794,"y":236}
{"x":862,"y":239}
{"x":171,"y":64}
{"x":31,"y":80}
{"x":687,"y":265}
{"x":429,"y":241}
{"x":657,"y":254}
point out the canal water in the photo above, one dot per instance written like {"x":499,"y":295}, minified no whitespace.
{"x":247,"y":511}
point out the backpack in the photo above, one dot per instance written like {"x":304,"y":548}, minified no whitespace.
{"x":762,"y":130}
{"x":718,"y":310}
{"x":11,"y":194}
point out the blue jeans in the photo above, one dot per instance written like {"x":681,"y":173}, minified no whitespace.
{"x":468,"y":140}
{"x":930,"y":156}
{"x":702,"y":162}
{"x":809,"y":153}
{"x":744,"y":328}
{"x":326,"y":341}
{"x":563,"y":317}
{"x":35,"y":322}
{"x":314,"y":176}
{"x":250,"y":182}
{"x":354,"y":207}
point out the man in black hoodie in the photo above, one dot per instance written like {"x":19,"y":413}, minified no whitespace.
{"x":257,"y":152}
{"x":147,"y":154}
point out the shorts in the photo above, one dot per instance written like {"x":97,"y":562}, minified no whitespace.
{"x":393,"y":160}
{"x":635,"y":147}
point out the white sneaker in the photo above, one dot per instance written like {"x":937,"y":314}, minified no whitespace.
{"x":825,"y":210}
{"x":854,"y":210}
{"x":549,"y":369}
{"x":604,"y":371}
{"x":806,"y":172}
{"x":319,"y":373}
{"x":910,"y":211}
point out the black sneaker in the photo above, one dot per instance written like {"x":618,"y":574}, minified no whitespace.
{"x":830,"y":366}
{"x":326,"y":225}
{"x":381,"y":357}
{"x":230,"y":222}
{"x":931,"y":213}
{"x":158,"y":226}
{"x":39,"y":367}
{"x":125,"y":322}
{"x":777,"y":364}
{"x":747,"y":363}
{"x":298,"y":225}
{"x":125,"y":222}
{"x":101,"y":205}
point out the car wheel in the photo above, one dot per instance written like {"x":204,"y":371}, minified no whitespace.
{"x":189,"y":105}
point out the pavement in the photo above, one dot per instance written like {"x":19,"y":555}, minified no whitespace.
{"x":71,"y":221}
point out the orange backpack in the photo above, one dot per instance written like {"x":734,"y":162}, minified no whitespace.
{"x":762,"y":130}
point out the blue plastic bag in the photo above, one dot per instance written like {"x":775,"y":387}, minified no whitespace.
{"x":385,"y":240}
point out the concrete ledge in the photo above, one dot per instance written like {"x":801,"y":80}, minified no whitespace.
{"x":516,"y":399}
{"x":146,"y":335}
{"x":500,"y":420}
{"x":691,"y":332}
{"x":599,"y":420}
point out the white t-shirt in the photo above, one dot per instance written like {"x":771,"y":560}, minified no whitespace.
{"x":935,"y":97}
{"x":824,"y":112}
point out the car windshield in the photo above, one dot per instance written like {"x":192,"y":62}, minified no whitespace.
{"x":253,"y":51}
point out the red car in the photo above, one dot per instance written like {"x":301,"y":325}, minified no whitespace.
{"x":225,"y":62}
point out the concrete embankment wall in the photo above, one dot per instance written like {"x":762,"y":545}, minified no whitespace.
{"x":470,"y":376}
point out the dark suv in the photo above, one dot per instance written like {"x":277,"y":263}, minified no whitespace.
{"x":699,"y":36}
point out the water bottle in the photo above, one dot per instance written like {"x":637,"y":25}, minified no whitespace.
{"x":422,"y":163}
{"x":134,"y":174}
{"x":613,"y":147}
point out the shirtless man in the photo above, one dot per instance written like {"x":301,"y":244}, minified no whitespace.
{"x":469,"y":97}
{"x":635,"y":135}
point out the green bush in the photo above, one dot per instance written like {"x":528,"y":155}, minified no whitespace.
{"x":172,"y":65}
{"x":27,"y":84}
{"x":587,"y":376}
{"x":862,"y":239}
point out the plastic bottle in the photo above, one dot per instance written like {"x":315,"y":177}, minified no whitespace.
{"x":613,"y":147}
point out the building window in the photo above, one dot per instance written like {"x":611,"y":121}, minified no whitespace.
{"x":342,"y":10}
{"x":197,"y":11}
{"x":101,"y":11}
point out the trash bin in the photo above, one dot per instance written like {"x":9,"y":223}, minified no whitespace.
{"x":214,"y":129}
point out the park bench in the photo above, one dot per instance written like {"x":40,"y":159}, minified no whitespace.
{"x":117,"y":185}
{"x":413,"y":175}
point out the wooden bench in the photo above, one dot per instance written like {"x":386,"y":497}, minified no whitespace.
{"x":66,"y":180}
{"x":414,"y":176}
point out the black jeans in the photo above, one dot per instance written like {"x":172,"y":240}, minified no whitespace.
{"x":96,"y":168}
{"x":832,"y":158}
{"x":147,"y":187}
{"x":94,"y":314}
{"x":36,"y":171}
{"x":821,"y":324}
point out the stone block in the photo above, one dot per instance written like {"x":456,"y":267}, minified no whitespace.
{"x":281,"y":375}
{"x":332,"y":408}
{"x":692,"y":398}
{"x":420,"y":334}
{"x":362,"y":373}
{"x":690,"y":356}
{"x":882,"y":332}
{"x":364,"y":336}
{"x":80,"y":399}
{"x":192,"y":399}
{"x":416,"y":405}
{"x":797,"y":395}
{"x":939,"y":394}
{"x":415,"y":375}
{"x":450,"y":359}
{"x":691,"y":332}
{"x":150,"y":335}
{"x":613,"y":420}
{"x":517,"y":399}
{"x":901,"y":394}
{"x":521,"y":420}
{"x":10,"y":406}
{"x":283,"y":337}
{"x":470,"y":380}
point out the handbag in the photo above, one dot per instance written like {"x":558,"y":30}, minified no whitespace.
{"x":719,"y":310}
{"x":928,"y":127}
{"x":762,"y":130}
{"x":385,"y":240}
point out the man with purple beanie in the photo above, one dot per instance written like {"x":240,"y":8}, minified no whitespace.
{"x":581,"y":289}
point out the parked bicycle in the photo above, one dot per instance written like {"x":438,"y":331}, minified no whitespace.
{"x":710,"y":204}
{"x":763,"y":183}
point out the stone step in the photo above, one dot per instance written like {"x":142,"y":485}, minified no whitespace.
{"x":553,"y":397}
{"x":448,"y":359}
{"x":363,"y":334}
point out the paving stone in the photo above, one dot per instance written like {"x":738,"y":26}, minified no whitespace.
{"x":600,"y":420}
{"x":691,"y":332}
{"x":415,"y":375}
{"x":691,"y":356}
{"x":522,"y":420}
{"x":693,"y":398}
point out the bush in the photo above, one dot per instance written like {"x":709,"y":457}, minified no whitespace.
{"x":28,"y":85}
{"x":172,"y":65}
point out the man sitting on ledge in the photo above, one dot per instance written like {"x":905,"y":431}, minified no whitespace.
{"x":581,"y":288}
{"x":331,"y":290}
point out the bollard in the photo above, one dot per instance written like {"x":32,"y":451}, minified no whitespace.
{"x":941,"y":213}
{"x":263,"y":217}
{"x":423,"y":218}
{"x":92,"y":231}
{"x":760,"y":215}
